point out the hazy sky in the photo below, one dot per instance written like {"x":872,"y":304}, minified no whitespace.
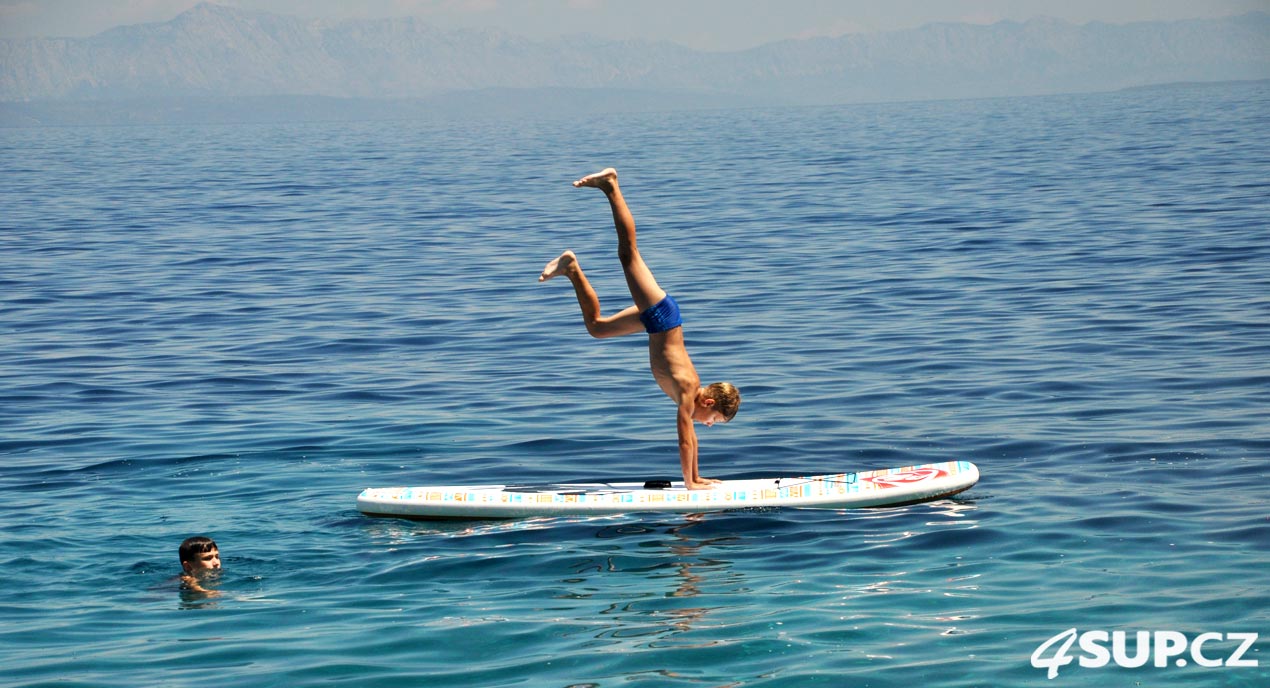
{"x":702,"y":24}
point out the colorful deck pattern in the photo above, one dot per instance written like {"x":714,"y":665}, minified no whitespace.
{"x":884,"y":487}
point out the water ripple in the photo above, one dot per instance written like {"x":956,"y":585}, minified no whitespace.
{"x":232,"y":330}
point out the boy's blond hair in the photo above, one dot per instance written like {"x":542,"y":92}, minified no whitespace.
{"x":726,"y":399}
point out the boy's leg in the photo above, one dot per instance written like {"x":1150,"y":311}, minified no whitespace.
{"x":639,"y":278}
{"x":625,"y":322}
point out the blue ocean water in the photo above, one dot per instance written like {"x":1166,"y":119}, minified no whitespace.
{"x":232,"y":330}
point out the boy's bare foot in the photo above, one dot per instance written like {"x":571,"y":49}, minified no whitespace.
{"x":705,"y":484}
{"x":604,"y":179}
{"x":558,"y":267}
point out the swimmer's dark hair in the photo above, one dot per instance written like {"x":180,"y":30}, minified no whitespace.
{"x":196,"y":545}
{"x":726,"y":399}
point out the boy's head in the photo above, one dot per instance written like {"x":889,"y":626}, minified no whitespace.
{"x":199,"y":554}
{"x":726,"y":399}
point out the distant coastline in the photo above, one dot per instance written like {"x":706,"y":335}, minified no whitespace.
{"x":492,"y":103}
{"x":216,"y":63}
{"x":1194,"y":84}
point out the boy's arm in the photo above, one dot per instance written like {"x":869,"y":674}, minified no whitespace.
{"x":688,"y":447}
{"x":192,"y":583}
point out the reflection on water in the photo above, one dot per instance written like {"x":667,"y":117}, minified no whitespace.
{"x":634,"y":582}
{"x":661,"y":566}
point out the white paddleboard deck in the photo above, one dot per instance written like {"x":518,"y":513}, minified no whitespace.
{"x":884,"y":487}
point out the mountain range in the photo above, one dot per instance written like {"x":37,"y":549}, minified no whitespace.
{"x":213,"y":52}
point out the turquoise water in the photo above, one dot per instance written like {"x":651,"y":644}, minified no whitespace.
{"x":232,"y":330}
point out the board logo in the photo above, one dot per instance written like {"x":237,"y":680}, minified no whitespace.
{"x":916,"y":475}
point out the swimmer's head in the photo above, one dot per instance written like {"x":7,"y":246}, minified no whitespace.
{"x":199,"y":554}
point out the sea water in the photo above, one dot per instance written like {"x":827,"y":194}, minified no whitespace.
{"x":232,"y":330}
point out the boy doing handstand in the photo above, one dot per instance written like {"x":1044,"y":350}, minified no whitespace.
{"x":657,"y":314}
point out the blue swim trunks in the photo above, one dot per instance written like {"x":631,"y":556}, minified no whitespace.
{"x":663,"y":317}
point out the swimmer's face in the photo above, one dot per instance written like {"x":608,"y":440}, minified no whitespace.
{"x":206,"y":561}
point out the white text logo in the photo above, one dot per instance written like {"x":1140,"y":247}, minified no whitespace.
{"x":1162,"y":648}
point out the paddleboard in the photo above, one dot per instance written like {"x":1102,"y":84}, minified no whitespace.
{"x":885,"y":487}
